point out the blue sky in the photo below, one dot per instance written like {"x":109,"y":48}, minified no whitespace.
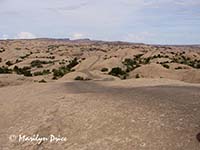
{"x":147,"y":21}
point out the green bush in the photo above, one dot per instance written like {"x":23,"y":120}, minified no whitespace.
{"x":117,"y":71}
{"x":187,"y":61}
{"x":39,"y":63}
{"x":25,"y":71}
{"x":138,"y":56}
{"x":44,"y":72}
{"x":137,"y":76}
{"x":198,"y":66}
{"x":42,"y":81}
{"x":9,"y":63}
{"x":60,"y":72}
{"x":18,"y":48}
{"x":104,"y":69}
{"x":147,"y":60}
{"x":177,"y":68}
{"x":25,"y":56}
{"x":78,"y":78}
{"x":72,"y":63}
{"x":165,"y":65}
{"x":5,"y":70}
{"x":81,"y":78}
{"x":131,"y":64}
{"x":2,"y":50}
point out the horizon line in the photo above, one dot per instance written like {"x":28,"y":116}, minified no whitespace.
{"x":97,"y":40}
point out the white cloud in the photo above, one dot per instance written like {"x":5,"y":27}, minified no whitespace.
{"x":139,"y":37}
{"x":5,"y":37}
{"x":77,"y":36}
{"x":25,"y":35}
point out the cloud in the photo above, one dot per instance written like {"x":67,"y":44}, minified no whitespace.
{"x":70,"y":7}
{"x":77,"y":36}
{"x":5,"y":37}
{"x":169,"y":20}
{"x":25,"y":35}
{"x":139,"y":37}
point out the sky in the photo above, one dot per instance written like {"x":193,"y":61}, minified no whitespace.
{"x":145,"y":21}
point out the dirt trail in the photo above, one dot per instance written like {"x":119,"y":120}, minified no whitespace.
{"x":88,"y":69}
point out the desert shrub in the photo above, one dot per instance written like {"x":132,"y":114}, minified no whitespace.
{"x":44,"y":72}
{"x":137,"y":76}
{"x":81,"y":78}
{"x":62,"y":63}
{"x":18,"y":60}
{"x":147,"y":60}
{"x":117,"y":71}
{"x":18,"y":48}
{"x":26,"y":71}
{"x":177,"y":68}
{"x":166,"y":56}
{"x":5,"y":70}
{"x":72,"y":63}
{"x":78,"y":78}
{"x":2,"y":50}
{"x":165,"y":65}
{"x":53,"y":47}
{"x":42,"y":81}
{"x":159,"y":56}
{"x":51,"y":57}
{"x":138,"y":56}
{"x":104,"y":69}
{"x":131,"y":64}
{"x":198,"y":66}
{"x":25,"y":56}
{"x":60,"y":72}
{"x":39,"y":63}
{"x":9,"y":63}
{"x":187,"y":61}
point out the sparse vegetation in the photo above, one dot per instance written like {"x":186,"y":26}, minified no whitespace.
{"x":25,"y":56}
{"x":104,"y":69}
{"x":130,"y":64}
{"x":72,"y":63}
{"x":17,"y":48}
{"x":18,"y":60}
{"x":61,"y":71}
{"x":39,"y":63}
{"x":81,"y":78}
{"x":181,"y":59}
{"x":137,"y":76}
{"x":2,"y":50}
{"x":53,"y":47}
{"x":44,"y":72}
{"x":5,"y":70}
{"x":9,"y":63}
{"x":42,"y":81}
{"x":118,"y":72}
{"x":26,"y":71}
{"x":78,"y":78}
{"x":165,"y":65}
{"x":178,"y":68}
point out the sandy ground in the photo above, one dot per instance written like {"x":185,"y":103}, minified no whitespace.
{"x":97,"y":115}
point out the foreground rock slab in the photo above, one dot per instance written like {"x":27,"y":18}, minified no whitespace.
{"x":94,"y":116}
